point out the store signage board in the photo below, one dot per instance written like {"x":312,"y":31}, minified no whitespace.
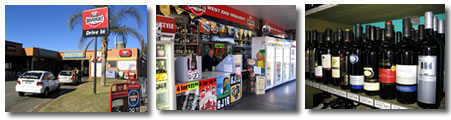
{"x":118,"y":98}
{"x":274,"y":29}
{"x":47,"y":53}
{"x":167,"y":24}
{"x":125,"y":53}
{"x":95,"y":22}
{"x":381,"y":105}
{"x":223,"y":12}
{"x":366,"y":100}
{"x":73,"y":54}
{"x":126,"y":65}
{"x":110,"y":74}
{"x":353,"y":96}
{"x":393,"y":106}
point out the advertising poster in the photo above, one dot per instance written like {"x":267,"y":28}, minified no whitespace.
{"x":223,"y":91}
{"x":260,"y":85}
{"x":118,"y":98}
{"x":235,"y":94}
{"x":207,"y":92}
{"x":187,"y":96}
{"x":193,"y":71}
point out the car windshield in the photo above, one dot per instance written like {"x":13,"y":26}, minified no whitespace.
{"x":66,"y":73}
{"x":29,"y":75}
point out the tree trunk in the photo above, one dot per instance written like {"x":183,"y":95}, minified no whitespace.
{"x":104,"y":60}
{"x":84,"y":55}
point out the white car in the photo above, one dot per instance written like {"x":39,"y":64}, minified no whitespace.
{"x":68,"y":76}
{"x":40,"y":82}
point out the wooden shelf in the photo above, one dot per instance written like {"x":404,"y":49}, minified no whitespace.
{"x":374,"y":101}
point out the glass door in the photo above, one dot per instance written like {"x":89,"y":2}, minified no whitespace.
{"x":164,"y":76}
{"x":269,"y":66}
{"x":286,"y":61}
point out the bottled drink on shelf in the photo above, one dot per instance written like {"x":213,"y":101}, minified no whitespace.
{"x":336,"y":57}
{"x":326,"y":57}
{"x":318,"y":61}
{"x":406,"y":72}
{"x":356,"y":77}
{"x":387,"y":68}
{"x":370,"y":69}
{"x":430,"y":67}
{"x":441,"y":31}
{"x":344,"y":60}
{"x":312,"y":56}
{"x":307,"y":53}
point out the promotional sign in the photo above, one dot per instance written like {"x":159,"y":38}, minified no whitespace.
{"x":133,"y":95}
{"x":166,"y":28}
{"x":193,"y":71}
{"x":118,"y":98}
{"x":47,"y":53}
{"x":126,"y":65}
{"x":95,"y":22}
{"x":207,"y":92}
{"x":260,"y":85}
{"x":73,"y":54}
{"x":110,"y":74}
{"x":235,"y":88}
{"x":125,"y":53}
{"x":223,"y":12}
{"x":187,"y":96}
{"x":274,"y":29}
{"x":223,"y":91}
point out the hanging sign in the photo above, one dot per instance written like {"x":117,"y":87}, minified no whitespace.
{"x":95,"y":22}
{"x":274,"y":29}
{"x":178,"y":10}
{"x":223,"y":12}
{"x":167,"y":24}
{"x":165,"y":9}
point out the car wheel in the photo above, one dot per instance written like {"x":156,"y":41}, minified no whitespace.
{"x":46,"y":93}
{"x":21,"y":93}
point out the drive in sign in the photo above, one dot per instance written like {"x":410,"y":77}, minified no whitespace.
{"x":95,"y":22}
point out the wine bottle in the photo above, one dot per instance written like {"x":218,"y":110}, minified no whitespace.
{"x":387,"y":68}
{"x":344,"y":60}
{"x":327,"y":56}
{"x":406,"y":72}
{"x":370,"y":69}
{"x":398,"y":37}
{"x":336,"y":57}
{"x":430,"y":82}
{"x":441,"y":31}
{"x":307,"y":53}
{"x":312,"y":56}
{"x":356,"y":77}
{"x":318,"y":61}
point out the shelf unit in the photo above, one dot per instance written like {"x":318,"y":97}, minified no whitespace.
{"x":185,"y":46}
{"x":373,"y":101}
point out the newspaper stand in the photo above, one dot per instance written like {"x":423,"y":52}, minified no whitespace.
{"x":118,"y":97}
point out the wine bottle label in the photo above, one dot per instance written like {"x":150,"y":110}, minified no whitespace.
{"x":401,"y":88}
{"x":427,"y":79}
{"x":406,"y":74}
{"x":335,"y":61}
{"x":368,"y":72}
{"x":353,"y":58}
{"x":319,"y":72}
{"x":387,"y":75}
{"x":326,"y":61}
{"x":335,"y":73}
{"x":356,"y":81}
{"x":371,"y":86}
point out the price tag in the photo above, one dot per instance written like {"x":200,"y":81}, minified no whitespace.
{"x":366,"y":100}
{"x":381,"y":105}
{"x":316,"y":85}
{"x":332,"y":90}
{"x":308,"y":82}
{"x":353,"y":97}
{"x":324,"y":88}
{"x":397,"y":107}
{"x":341,"y":93}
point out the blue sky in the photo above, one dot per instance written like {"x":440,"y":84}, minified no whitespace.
{"x":46,"y":26}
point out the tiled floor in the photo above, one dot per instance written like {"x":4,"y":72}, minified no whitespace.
{"x":282,"y":97}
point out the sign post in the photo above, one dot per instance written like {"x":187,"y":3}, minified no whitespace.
{"x":95,"y":24}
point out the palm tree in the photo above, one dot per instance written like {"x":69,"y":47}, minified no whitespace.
{"x":117,"y":28}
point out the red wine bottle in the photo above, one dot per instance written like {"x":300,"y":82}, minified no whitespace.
{"x":387,"y":68}
{"x":312,"y":56}
{"x":336,"y":57}
{"x":344,"y":60}
{"x":370,"y":69}
{"x":307,"y":53}
{"x":318,"y":61}
{"x":441,"y":31}
{"x":430,"y":81}
{"x":406,"y":67}
{"x":326,"y":57}
{"x":356,"y":77}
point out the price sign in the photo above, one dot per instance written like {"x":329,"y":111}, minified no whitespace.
{"x":324,"y":88}
{"x":332,"y":90}
{"x":353,"y":97}
{"x":366,"y":100}
{"x":393,"y":106}
{"x":381,"y":105}
{"x":341,"y":93}
{"x":316,"y":85}
{"x":308,"y":82}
